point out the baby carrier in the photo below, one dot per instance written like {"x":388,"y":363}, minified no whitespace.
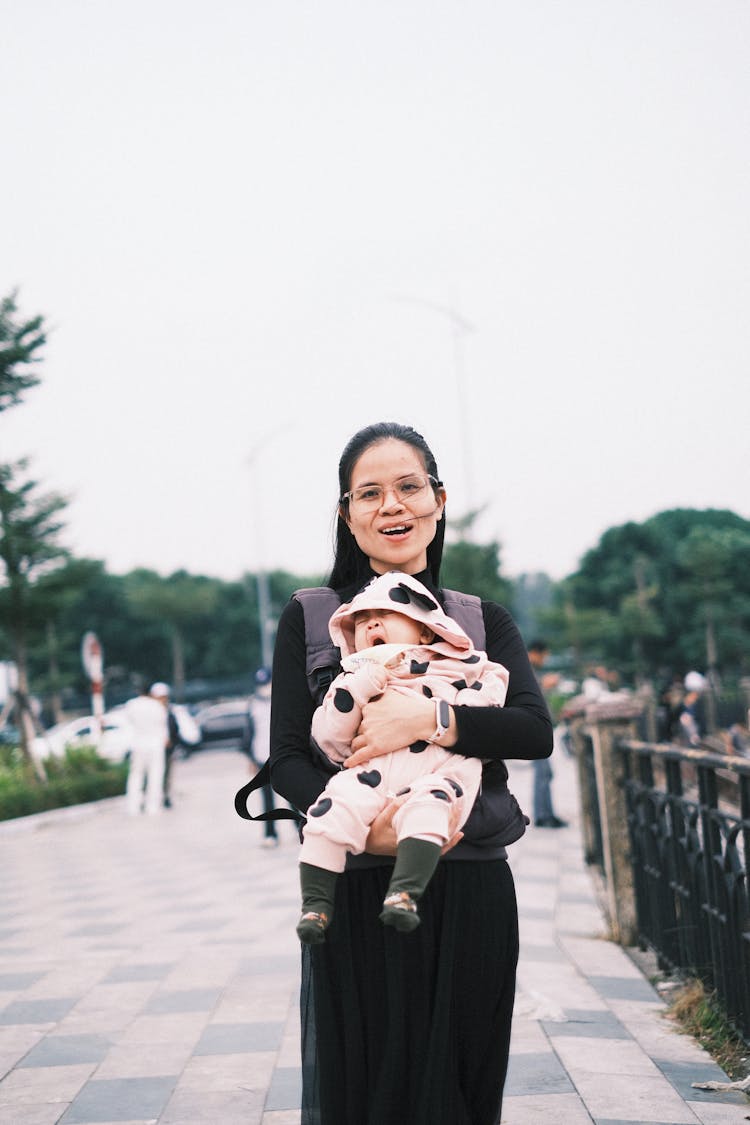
{"x":322,"y":665}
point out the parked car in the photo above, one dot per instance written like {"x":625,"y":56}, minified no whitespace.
{"x":114,"y":744}
{"x":226,"y":722}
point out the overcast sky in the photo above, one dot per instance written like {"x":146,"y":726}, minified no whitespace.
{"x":252,"y":226}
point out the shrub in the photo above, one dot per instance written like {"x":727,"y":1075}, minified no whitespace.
{"x":80,"y":776}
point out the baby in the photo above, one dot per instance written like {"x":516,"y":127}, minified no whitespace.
{"x":394,"y":634}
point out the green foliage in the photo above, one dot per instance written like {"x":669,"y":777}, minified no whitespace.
{"x":699,"y":1013}
{"x":20,"y":340}
{"x":475,"y":569}
{"x":660,"y":594}
{"x":29,"y":525}
{"x":80,"y":776}
{"x":533,"y":596}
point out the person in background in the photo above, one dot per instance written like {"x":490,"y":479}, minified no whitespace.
{"x":543,"y":812}
{"x":160,"y":691}
{"x":260,"y":714}
{"x":690,"y":724}
{"x":147,"y":717}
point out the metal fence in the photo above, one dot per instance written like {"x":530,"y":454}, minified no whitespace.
{"x":688,"y":814}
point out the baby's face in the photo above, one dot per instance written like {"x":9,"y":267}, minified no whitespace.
{"x":385,"y":627}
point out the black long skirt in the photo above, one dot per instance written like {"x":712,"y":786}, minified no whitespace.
{"x":412,"y":1027}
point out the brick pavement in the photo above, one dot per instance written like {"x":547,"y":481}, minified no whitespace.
{"x":149,"y":971}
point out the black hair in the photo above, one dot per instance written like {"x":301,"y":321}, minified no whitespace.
{"x":538,"y":645}
{"x":350,"y":564}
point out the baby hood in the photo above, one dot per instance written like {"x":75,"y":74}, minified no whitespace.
{"x":398,"y":593}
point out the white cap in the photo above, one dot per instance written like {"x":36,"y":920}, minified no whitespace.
{"x":694,"y":681}
{"x":159,"y":689}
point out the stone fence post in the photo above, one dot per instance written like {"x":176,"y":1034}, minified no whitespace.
{"x":607,"y":723}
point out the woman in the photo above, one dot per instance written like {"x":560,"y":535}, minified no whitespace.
{"x":407,"y":1027}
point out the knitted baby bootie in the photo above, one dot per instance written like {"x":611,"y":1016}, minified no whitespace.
{"x":312,"y":926}
{"x":400,"y":911}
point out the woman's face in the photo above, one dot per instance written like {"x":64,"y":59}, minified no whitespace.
{"x":396,"y":534}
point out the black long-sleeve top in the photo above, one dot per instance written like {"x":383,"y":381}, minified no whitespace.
{"x":520,"y":729}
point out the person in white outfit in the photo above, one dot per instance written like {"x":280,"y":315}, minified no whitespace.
{"x":147,"y":717}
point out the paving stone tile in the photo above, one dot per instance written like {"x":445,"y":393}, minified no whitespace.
{"x":37,"y":1011}
{"x":97,"y":929}
{"x":282,"y":1117}
{"x":538,"y":952}
{"x":535,"y":1109}
{"x":237,"y":1007}
{"x":711,"y":1114}
{"x":42,"y":1113}
{"x":588,"y":1023}
{"x":20,"y":1039}
{"x":120,"y":1099}
{"x":64,"y":1050}
{"x":603,"y":1056}
{"x":623,"y":988}
{"x":264,"y":965}
{"x":9,"y":1059}
{"x":650,"y":1099}
{"x":285,"y":1091}
{"x":630,"y":1121}
{"x":683,"y":1074}
{"x":251,"y":1071}
{"x":198,"y":925}
{"x":182,"y":1028}
{"x":12,"y":982}
{"x":123,"y":974}
{"x":239,"y":1107}
{"x":38,"y":1084}
{"x":234,"y":1038}
{"x":536,"y":1074}
{"x":190,"y":1000}
{"x":144,"y":1060}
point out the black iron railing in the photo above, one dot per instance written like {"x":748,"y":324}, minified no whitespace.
{"x":688,"y":815}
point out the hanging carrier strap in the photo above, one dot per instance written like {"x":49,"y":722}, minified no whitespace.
{"x":262,"y":777}
{"x":323,"y":663}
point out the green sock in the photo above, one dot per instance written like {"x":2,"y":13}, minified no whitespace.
{"x":318,"y":889}
{"x":416,"y":861}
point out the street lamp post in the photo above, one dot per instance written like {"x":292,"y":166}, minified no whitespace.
{"x":266,"y":623}
{"x":460,"y":328}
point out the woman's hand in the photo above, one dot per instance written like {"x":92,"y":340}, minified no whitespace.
{"x":393,"y":720}
{"x":382,"y":836}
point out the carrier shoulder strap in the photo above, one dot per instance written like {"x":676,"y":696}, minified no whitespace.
{"x":466,"y":609}
{"x":322,"y":658}
{"x":322,"y":662}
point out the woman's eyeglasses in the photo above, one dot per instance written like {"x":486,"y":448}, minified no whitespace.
{"x":405,"y":489}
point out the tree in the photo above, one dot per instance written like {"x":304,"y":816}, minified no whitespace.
{"x":475,"y":568}
{"x":533,"y":596}
{"x":20,"y":340}
{"x":176,"y":603}
{"x":672,"y":593}
{"x":29,"y":529}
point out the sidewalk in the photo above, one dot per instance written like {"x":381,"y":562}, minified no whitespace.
{"x":149,"y":970}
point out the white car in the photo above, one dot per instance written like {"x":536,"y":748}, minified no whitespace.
{"x":114,"y":744}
